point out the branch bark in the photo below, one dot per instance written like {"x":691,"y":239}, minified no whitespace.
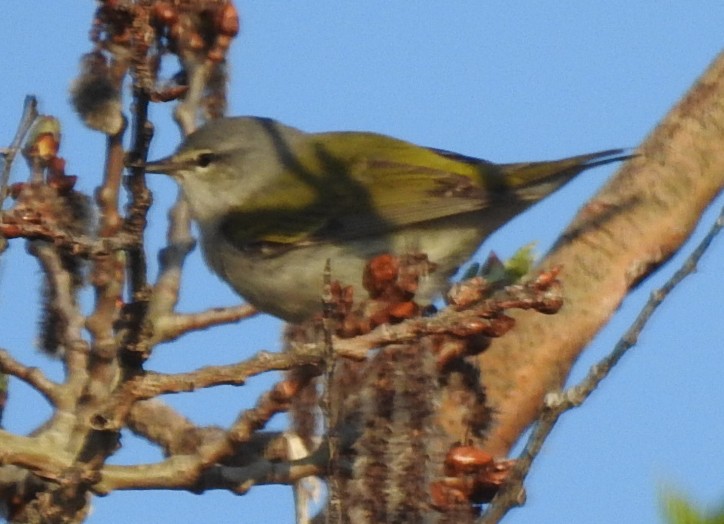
{"x":634,"y":224}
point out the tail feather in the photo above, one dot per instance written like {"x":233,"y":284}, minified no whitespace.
{"x":534,"y":180}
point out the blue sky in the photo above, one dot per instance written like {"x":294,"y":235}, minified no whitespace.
{"x":505,"y":82}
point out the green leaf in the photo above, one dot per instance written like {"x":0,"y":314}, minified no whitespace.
{"x":521,"y":263}
{"x":679,"y":510}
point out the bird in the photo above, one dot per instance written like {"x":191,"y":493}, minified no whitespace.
{"x":274,"y":203}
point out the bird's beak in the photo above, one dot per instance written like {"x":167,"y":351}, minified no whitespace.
{"x":165,"y":165}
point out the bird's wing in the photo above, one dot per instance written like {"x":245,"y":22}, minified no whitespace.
{"x":341,"y":186}
{"x":350,"y":185}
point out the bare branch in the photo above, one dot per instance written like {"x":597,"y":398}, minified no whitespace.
{"x":633,"y":225}
{"x":63,"y":298}
{"x":47,"y":461}
{"x":170,"y":327}
{"x":172,"y":257}
{"x":557,"y":403}
{"x":175,"y":473}
{"x":242,"y":479}
{"x":14,"y":226}
{"x":270,"y":403}
{"x":484,"y":318}
{"x":107,"y":274}
{"x":30,"y":113}
{"x":184,"y":471}
{"x":142,"y":71}
{"x":32,"y":376}
{"x":151,"y":385}
{"x":162,"y":425}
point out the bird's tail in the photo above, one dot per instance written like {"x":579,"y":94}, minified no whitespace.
{"x":532,"y":181}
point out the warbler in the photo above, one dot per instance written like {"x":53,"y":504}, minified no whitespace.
{"x":274,"y":203}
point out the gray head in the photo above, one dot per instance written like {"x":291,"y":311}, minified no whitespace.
{"x":227,"y":161}
{"x":226,"y":134}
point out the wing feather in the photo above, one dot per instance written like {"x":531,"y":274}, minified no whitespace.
{"x":341,"y":186}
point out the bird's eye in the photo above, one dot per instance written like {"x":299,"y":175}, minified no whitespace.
{"x":204,"y":159}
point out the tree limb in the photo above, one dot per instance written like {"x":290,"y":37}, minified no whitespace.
{"x":557,"y":403}
{"x":634,"y":224}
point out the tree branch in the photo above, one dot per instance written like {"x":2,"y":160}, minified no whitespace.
{"x":30,"y":113}
{"x":555,"y":404}
{"x":632,"y":226}
{"x":170,"y":327}
{"x":29,"y":452}
{"x":34,"y":377}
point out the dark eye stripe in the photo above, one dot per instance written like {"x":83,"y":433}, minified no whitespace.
{"x":204,"y":159}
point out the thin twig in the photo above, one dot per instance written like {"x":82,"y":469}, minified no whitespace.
{"x":171,"y":327}
{"x":179,"y":243}
{"x":32,"y":376}
{"x":457,"y":323}
{"x":330,"y":409}
{"x":107,"y":274}
{"x":84,"y":246}
{"x":198,"y":70}
{"x":481,"y":318}
{"x":142,"y":132}
{"x":75,"y":354}
{"x":276,"y":400}
{"x":183,"y":473}
{"x":557,"y":403}
{"x":172,"y":257}
{"x":241,"y":479}
{"x":30,"y":113}
{"x":151,"y":385}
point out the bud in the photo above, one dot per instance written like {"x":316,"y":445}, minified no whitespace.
{"x":43,"y":139}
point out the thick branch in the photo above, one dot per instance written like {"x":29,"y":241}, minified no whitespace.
{"x":556,"y":404}
{"x":635,"y":223}
{"x":31,"y":453}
